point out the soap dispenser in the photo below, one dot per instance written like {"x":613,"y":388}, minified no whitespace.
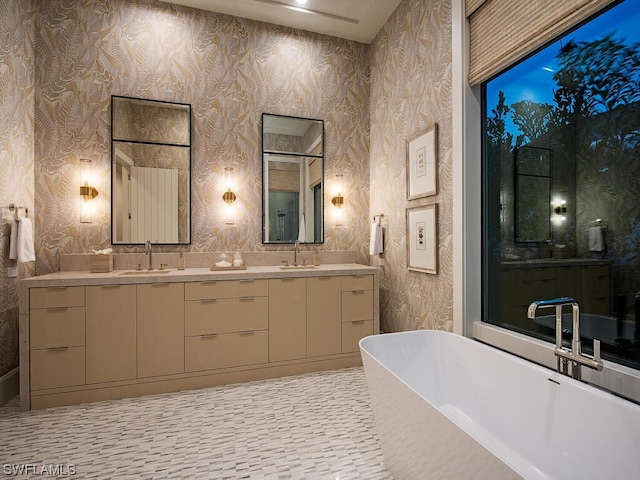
{"x":316,"y":258}
{"x":181,"y":261}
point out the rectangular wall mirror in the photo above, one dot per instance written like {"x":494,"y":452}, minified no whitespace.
{"x":292,"y":179}
{"x":150,"y":171}
{"x":533,"y":194}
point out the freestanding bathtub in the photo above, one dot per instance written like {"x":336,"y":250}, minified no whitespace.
{"x":448,"y":407}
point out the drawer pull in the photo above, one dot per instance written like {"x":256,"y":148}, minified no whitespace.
{"x":208,"y":336}
{"x":57,"y":309}
{"x":209,"y":300}
{"x":358,"y":322}
{"x":208,"y":282}
{"x":166,"y":284}
{"x":247,"y":299}
{"x":110,"y":286}
{"x":58,"y":349}
{"x":57,"y":288}
{"x":247,"y":333}
{"x":357,"y":292}
{"x":250,"y":280}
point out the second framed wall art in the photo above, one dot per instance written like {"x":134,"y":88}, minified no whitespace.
{"x":422,"y":239}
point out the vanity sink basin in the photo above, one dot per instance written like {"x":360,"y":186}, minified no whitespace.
{"x":143,"y":272}
{"x":298,"y":267}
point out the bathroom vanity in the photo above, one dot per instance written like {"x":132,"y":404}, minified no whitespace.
{"x":87,"y":337}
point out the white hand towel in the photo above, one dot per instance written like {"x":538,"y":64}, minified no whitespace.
{"x":302,"y":231}
{"x":25,"y":248}
{"x":13,"y":243}
{"x":376,"y":246}
{"x":596,"y":243}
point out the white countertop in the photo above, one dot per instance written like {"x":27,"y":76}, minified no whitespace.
{"x":70,"y":278}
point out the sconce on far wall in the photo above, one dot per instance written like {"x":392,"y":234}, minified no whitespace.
{"x":560,"y":210}
{"x":338,"y":200}
{"x":229,"y":197}
{"x":87,"y":191}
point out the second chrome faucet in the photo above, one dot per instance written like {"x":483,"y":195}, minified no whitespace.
{"x":148,"y":250}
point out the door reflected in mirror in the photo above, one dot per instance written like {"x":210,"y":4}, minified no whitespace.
{"x":151,"y":171}
{"x":293,"y":179}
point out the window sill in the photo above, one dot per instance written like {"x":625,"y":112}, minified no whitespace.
{"x":615,"y":378}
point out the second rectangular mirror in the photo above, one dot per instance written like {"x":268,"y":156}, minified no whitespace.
{"x":292,"y":179}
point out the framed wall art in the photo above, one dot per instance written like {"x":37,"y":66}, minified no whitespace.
{"x":422,"y":168}
{"x":422,"y":239}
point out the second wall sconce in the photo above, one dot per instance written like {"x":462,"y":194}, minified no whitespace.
{"x":338,"y":199}
{"x":229,"y":197}
{"x":87,"y":190}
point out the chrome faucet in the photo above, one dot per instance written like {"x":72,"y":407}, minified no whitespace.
{"x":148,"y":250}
{"x":574,"y":354}
{"x":296,"y":250}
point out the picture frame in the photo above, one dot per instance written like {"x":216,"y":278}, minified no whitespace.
{"x":422,"y":239}
{"x":422,"y":164}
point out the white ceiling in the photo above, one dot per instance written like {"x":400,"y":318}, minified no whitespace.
{"x":358,"y":20}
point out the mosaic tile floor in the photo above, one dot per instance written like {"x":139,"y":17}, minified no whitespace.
{"x":315,"y":426}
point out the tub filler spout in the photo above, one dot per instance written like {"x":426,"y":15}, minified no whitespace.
{"x":574,"y":355}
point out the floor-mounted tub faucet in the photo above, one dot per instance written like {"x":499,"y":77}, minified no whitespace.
{"x":148,"y":250}
{"x":574,"y":354}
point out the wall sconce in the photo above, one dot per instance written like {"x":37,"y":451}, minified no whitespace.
{"x":87,"y":191}
{"x":338,"y":200}
{"x":559,"y":207}
{"x":229,"y":197}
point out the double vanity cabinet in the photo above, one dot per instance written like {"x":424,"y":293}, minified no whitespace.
{"x":88,"y":337}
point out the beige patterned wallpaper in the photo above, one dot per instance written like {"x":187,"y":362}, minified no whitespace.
{"x":65,"y":59}
{"x":231,"y":70}
{"x":16,"y":156}
{"x":410,"y":90}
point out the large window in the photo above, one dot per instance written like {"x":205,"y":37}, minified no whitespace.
{"x":562,"y":185}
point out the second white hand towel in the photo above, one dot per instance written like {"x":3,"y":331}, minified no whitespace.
{"x":376,"y":246}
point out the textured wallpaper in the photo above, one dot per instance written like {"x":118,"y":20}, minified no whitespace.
{"x":16,"y":156}
{"x":411,"y":90}
{"x":230,"y":70}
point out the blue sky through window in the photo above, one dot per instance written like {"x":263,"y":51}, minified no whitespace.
{"x":532,"y":79}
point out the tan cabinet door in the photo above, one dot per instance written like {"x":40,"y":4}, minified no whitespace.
{"x":324,"y":317}
{"x":287,"y":319}
{"x":160,"y":329}
{"x":111,"y":333}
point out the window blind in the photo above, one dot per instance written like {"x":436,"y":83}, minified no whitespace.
{"x":505,"y":31}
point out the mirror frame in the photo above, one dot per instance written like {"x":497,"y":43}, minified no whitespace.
{"x":265,"y":186}
{"x":115,"y":140}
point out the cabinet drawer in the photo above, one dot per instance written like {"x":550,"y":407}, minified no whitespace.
{"x":226,"y":315}
{"x":357,"y":282}
{"x":357,"y":305}
{"x":57,"y":367}
{"x":226,"y":350}
{"x":352,"y":332}
{"x":56,"y":327}
{"x":226,"y":289}
{"x":52,"y":297}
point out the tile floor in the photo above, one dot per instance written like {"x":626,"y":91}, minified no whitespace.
{"x":315,"y":426}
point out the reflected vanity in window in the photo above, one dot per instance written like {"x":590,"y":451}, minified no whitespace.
{"x":151,"y":171}
{"x":293,"y":179}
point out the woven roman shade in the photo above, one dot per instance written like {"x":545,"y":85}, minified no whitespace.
{"x":505,"y":31}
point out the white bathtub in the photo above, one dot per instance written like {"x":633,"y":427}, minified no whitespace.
{"x":448,"y":407}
